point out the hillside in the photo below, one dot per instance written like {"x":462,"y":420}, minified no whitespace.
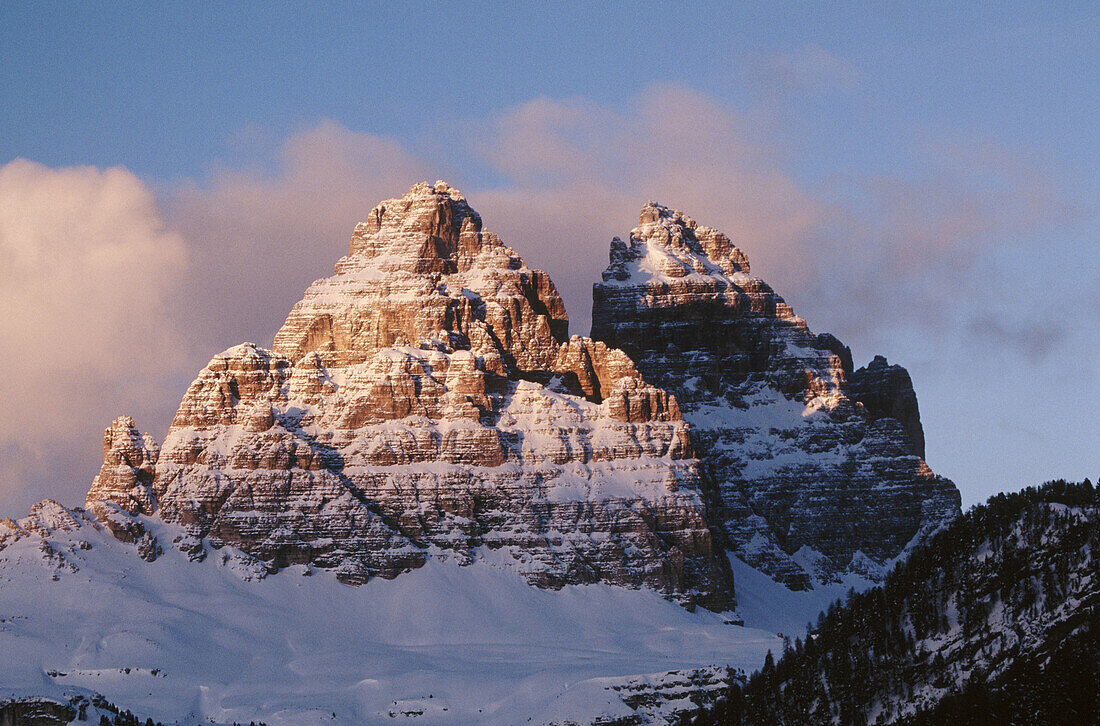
{"x":992,"y":621}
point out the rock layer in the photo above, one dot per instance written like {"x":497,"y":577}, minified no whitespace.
{"x":426,"y":400}
{"x":817,"y":467}
{"x":129,"y":465}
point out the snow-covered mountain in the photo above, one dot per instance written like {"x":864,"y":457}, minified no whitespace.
{"x":427,"y":397}
{"x":502,"y":522}
{"x":818,"y":467}
{"x":222,"y":640}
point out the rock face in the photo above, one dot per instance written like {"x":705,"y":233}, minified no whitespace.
{"x":886,"y":391}
{"x":817,"y":467}
{"x":426,"y":400}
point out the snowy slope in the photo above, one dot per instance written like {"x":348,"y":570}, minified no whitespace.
{"x":769,"y":605}
{"x":200,"y":641}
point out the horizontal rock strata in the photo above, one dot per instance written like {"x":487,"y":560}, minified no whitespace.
{"x":426,"y":400}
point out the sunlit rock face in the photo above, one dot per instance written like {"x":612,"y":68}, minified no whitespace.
{"x":421,"y":272}
{"x":427,"y":401}
{"x":818,"y":468}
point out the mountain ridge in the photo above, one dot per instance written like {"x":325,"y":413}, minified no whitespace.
{"x":992,"y":620}
{"x":424,"y":412}
{"x":433,"y":342}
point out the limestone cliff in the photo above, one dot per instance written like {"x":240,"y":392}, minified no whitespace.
{"x":426,"y":401}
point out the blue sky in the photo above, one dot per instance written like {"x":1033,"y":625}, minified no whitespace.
{"x":921,"y":180}
{"x":163,"y":88}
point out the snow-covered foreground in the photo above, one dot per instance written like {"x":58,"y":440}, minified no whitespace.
{"x":195,"y":641}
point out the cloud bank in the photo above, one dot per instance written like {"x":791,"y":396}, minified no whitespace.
{"x":89,"y":271}
{"x":258,"y":239}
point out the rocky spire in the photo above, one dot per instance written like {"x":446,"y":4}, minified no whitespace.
{"x":129,"y":467}
{"x":431,"y":229}
{"x":667,"y":243}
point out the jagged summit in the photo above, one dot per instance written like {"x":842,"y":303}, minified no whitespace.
{"x":422,"y":272}
{"x":667,"y":245}
{"x":431,"y":228}
{"x":126,"y":477}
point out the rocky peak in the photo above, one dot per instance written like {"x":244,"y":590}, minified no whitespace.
{"x":886,"y":391}
{"x":669,"y":244}
{"x":801,"y":449}
{"x":426,"y":401}
{"x":129,"y":467}
{"x":46,"y":517}
{"x":421,"y":272}
{"x":431,"y":229}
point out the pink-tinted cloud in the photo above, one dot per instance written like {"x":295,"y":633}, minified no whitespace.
{"x":86,"y":329}
{"x":258,"y":239}
{"x":578,"y":173}
{"x":860,"y":255}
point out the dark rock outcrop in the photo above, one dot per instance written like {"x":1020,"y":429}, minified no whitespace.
{"x":886,"y":391}
{"x":818,"y":468}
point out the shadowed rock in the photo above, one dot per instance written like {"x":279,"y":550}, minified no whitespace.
{"x":818,"y":468}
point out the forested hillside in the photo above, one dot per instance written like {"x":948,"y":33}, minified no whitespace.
{"x":992,"y":621}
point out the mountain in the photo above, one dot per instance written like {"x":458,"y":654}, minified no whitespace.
{"x":526,"y":519}
{"x":992,"y":621}
{"x":426,"y":400}
{"x":818,"y":468}
{"x":427,"y":397}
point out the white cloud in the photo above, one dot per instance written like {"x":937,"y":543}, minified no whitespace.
{"x":258,"y":239}
{"x":86,"y":272}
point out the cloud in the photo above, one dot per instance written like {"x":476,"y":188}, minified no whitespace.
{"x":1035,"y":339}
{"x":918,"y":245}
{"x":88,"y":270}
{"x":112,"y":299}
{"x":863,"y":256}
{"x":575,"y":174}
